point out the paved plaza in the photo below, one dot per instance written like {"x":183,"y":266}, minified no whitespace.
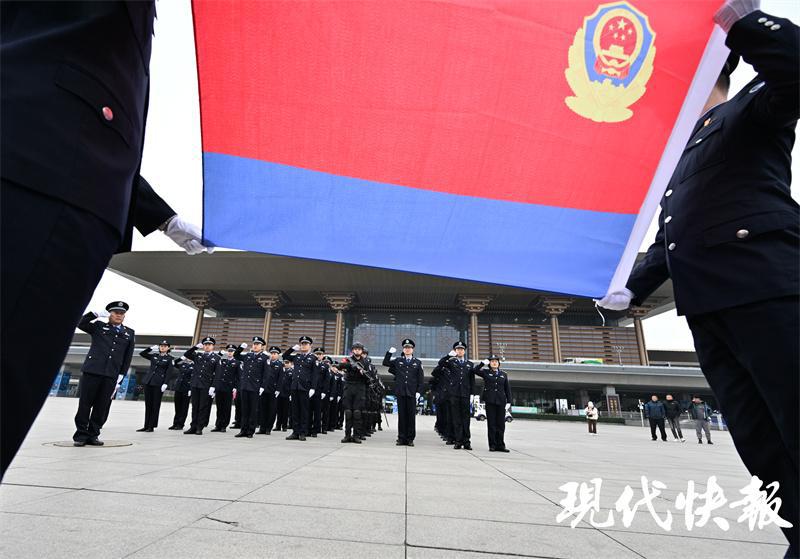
{"x":172,"y":495}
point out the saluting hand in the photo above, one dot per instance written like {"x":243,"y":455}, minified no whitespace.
{"x":101,"y":314}
{"x":393,"y":350}
{"x":734,"y":10}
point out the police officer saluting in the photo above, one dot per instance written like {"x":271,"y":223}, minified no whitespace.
{"x":304,"y":378}
{"x":459,"y":374}
{"x":273,"y":375}
{"x":409,"y":379}
{"x":497,"y":397}
{"x":251,"y":381}
{"x":155,"y":382}
{"x":205,"y":367}
{"x":103,"y":370}
{"x":183,"y":391}
{"x":225,"y":381}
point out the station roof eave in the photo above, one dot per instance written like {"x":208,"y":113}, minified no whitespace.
{"x":233,"y":276}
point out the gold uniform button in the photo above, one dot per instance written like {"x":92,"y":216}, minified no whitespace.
{"x":742,"y":233}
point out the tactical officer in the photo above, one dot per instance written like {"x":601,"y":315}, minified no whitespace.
{"x":273,"y":375}
{"x":183,"y":391}
{"x":284,"y":392}
{"x":251,"y":384}
{"x":315,"y":401}
{"x":304,"y":378}
{"x":329,"y":391}
{"x":459,"y":374}
{"x":409,"y":379}
{"x":155,"y":382}
{"x":728,"y":238}
{"x":226,"y":379}
{"x":103,"y":370}
{"x":497,"y":397}
{"x":330,"y":417}
{"x":205,"y":367}
{"x":357,"y":376}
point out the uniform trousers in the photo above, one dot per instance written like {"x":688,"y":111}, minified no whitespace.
{"x":458,"y":409}
{"x":237,"y":411}
{"x":333,"y":410}
{"x":496,"y":425}
{"x":750,"y":356}
{"x":201,"y":409}
{"x":282,"y":415}
{"x":53,"y":256}
{"x":152,"y":405}
{"x":181,"y":409}
{"x":300,"y":412}
{"x":222,"y":400}
{"x":249,"y":405}
{"x":94,"y":402}
{"x":268,"y":409}
{"x":406,"y":418}
{"x":315,"y":413}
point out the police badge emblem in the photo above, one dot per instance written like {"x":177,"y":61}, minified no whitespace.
{"x":610,"y":62}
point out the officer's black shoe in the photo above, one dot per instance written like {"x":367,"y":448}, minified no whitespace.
{"x":142,"y":430}
{"x":324,"y":432}
{"x":95,"y":442}
{"x":410,"y":443}
{"x":379,"y":428}
{"x":457,"y":446}
{"x":467,"y":447}
{"x":249,"y":435}
{"x":347,"y":440}
{"x":355,"y":441}
{"x":449,"y":442}
{"x":699,"y":441}
{"x":492,"y":449}
{"x":240,"y":434}
{"x":504,"y":449}
{"x":189,"y":431}
{"x":400,"y":443}
{"x":301,"y":438}
{"x":175,"y":428}
{"x":217,"y":430}
{"x":313,"y":435}
{"x":150,"y":430}
{"x":709,"y":442}
{"x":292,"y":437}
{"x":79,"y":443}
{"x":198,"y":432}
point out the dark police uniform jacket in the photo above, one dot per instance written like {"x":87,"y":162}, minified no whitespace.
{"x":111,"y":351}
{"x":63,"y":63}
{"x":458,"y":376}
{"x":226,"y":377}
{"x":323,"y":379}
{"x":205,"y":367}
{"x":728,"y":229}
{"x":273,"y":375}
{"x":160,"y":365}
{"x":409,"y":377}
{"x":285,"y":383}
{"x":183,"y":378}
{"x":304,"y":375}
{"x":356,"y":371}
{"x":496,"y":389}
{"x":252,"y":369}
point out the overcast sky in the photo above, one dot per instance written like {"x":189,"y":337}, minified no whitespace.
{"x":172,"y":163}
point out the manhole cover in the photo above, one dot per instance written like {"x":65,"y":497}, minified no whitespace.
{"x":108,"y":444}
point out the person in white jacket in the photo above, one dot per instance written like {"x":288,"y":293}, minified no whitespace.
{"x":592,"y":414}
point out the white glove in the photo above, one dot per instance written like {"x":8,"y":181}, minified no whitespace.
{"x":311,"y":392}
{"x":163,"y":387}
{"x":338,"y":398}
{"x":331,"y":398}
{"x":260,"y":391}
{"x":243,"y":346}
{"x":189,"y":393}
{"x":186,"y":235}
{"x":734,"y":10}
{"x":277,"y":393}
{"x":212,"y":391}
{"x":119,"y":379}
{"x":234,"y":393}
{"x":508,"y":406}
{"x":199,"y":346}
{"x":101,"y":314}
{"x":452,"y":353}
{"x":322,"y":395}
{"x":417,"y":396}
{"x":153,"y":348}
{"x":296,"y":347}
{"x":116,"y":389}
{"x":392,"y":350}
{"x":616,"y":300}
{"x":485,"y":361}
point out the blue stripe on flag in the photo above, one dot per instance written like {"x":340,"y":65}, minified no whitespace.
{"x":280,"y":209}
